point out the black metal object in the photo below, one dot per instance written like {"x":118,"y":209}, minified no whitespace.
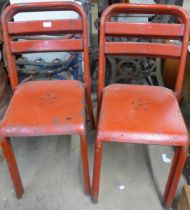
{"x":137,"y":71}
{"x":57,"y":69}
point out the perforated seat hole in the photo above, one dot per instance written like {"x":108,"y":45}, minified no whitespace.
{"x":140,"y":104}
{"x":69,"y":118}
{"x":47,"y":99}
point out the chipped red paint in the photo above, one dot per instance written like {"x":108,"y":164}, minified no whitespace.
{"x":41,"y":108}
{"x":142,"y":114}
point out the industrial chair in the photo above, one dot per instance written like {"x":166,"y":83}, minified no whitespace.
{"x":44,"y":108}
{"x":142,"y":114}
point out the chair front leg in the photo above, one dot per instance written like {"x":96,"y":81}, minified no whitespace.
{"x":84,"y":153}
{"x":171,"y":175}
{"x":12,"y":166}
{"x":96,"y":172}
{"x":178,"y":171}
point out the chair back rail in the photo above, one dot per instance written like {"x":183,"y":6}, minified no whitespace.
{"x":111,"y":28}
{"x":15,"y":46}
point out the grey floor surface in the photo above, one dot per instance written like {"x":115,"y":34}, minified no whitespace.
{"x":133,"y":176}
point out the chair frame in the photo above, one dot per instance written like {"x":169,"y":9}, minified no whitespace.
{"x":12,"y":48}
{"x":159,"y":30}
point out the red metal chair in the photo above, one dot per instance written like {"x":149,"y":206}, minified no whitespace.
{"x":41,"y":108}
{"x":142,"y":114}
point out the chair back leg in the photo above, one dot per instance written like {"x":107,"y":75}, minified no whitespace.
{"x":84,"y":153}
{"x":90,"y":109}
{"x":97,"y":168}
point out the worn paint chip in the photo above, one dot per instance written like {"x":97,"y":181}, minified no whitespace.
{"x":121,"y":187}
{"x":47,"y":24}
{"x":166,"y":159}
{"x":56,"y":120}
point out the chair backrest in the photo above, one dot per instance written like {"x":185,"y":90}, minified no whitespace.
{"x":14,"y":46}
{"x":109,"y":28}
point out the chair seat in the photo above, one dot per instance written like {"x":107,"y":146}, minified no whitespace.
{"x":141,"y":114}
{"x":45,"y":108}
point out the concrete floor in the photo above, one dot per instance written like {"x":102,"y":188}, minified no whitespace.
{"x":51,"y":172}
{"x":186,"y":5}
{"x":133,"y":176}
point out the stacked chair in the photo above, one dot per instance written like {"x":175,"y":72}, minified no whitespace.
{"x":142,"y":114}
{"x":41,"y":108}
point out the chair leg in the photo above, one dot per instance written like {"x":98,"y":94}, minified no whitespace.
{"x":178,"y":171}
{"x":12,"y":166}
{"x":90,"y":110}
{"x":84,"y":153}
{"x":171,"y":175}
{"x":96,"y":172}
